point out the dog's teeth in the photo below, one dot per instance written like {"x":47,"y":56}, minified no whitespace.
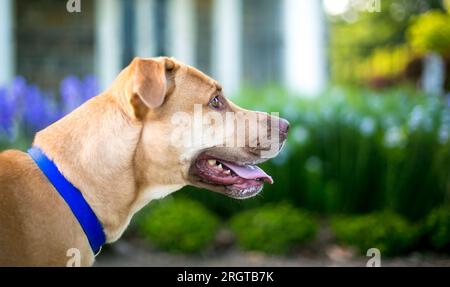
{"x":211,"y":161}
{"x":220,"y":166}
{"x":227,"y":171}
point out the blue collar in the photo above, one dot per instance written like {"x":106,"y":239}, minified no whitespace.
{"x":73,"y":197}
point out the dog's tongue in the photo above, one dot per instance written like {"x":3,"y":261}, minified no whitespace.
{"x":249,"y":171}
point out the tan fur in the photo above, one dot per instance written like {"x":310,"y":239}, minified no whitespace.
{"x":115,"y":149}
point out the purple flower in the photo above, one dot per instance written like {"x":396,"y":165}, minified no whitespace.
{"x":18,"y":88}
{"x":75,"y":92}
{"x":7,"y":112}
{"x":38,"y":110}
{"x":71,"y":90}
{"x":9,"y":105}
{"x":90,"y":87}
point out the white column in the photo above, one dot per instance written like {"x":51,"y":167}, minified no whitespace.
{"x":304,"y":38}
{"x":6,"y":42}
{"x":433,"y":75}
{"x":226,"y":38}
{"x":182,"y":30}
{"x":145,"y":28}
{"x":108,"y":39}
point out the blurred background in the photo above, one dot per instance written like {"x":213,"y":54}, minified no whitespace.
{"x":364,"y":83}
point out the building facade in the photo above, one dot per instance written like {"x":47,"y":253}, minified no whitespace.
{"x":238,"y":42}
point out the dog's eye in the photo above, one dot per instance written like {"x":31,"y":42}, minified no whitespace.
{"x":216,"y":103}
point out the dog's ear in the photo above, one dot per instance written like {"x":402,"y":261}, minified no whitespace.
{"x":151,"y":82}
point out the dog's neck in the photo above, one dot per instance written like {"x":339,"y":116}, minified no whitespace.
{"x":94,"y":154}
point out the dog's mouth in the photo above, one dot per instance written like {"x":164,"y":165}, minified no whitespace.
{"x":234,"y":179}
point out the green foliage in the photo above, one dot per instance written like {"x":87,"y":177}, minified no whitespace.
{"x":385,"y":62}
{"x":388,"y":232}
{"x":352,"y":41}
{"x":178,"y":225}
{"x":20,"y":143}
{"x":437,"y":228}
{"x":349,"y":151}
{"x":431,"y":32}
{"x":353,"y":151}
{"x":447,"y":5}
{"x":272,"y":228}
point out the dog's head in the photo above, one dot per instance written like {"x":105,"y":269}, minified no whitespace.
{"x":193,"y":135}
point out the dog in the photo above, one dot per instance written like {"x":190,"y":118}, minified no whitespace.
{"x":119,"y":151}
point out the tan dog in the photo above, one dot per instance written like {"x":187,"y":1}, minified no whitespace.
{"x":118,"y":150}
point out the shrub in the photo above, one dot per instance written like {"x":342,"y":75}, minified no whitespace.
{"x":353,"y":151}
{"x":437,"y":228}
{"x":388,"y":232}
{"x":431,"y":32}
{"x":350,"y":150}
{"x":272,"y":228}
{"x":178,"y":225}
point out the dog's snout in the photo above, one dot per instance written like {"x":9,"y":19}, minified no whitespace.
{"x":283,"y":128}
{"x":281,"y":125}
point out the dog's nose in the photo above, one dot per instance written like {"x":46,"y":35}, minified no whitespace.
{"x":284,"y":129}
{"x":284,"y":126}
